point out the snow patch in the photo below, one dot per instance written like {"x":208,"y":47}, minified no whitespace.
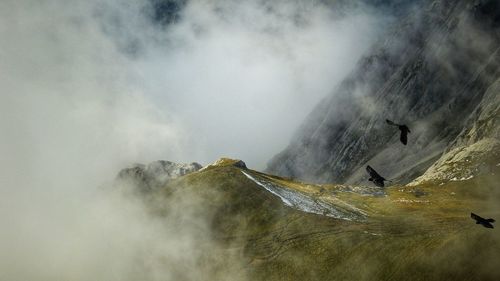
{"x":403,"y":200}
{"x":462,"y":178}
{"x":305,"y":203}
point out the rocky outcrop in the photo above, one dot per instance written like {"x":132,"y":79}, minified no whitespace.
{"x":476,"y":150}
{"x":432,"y":71}
{"x":222,"y":162}
{"x":155,"y":174}
{"x":463,"y":163}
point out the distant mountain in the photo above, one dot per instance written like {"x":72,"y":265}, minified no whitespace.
{"x":436,"y":70}
{"x":156,"y":174}
{"x":165,"y":12}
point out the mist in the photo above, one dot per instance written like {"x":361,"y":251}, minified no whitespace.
{"x":240,"y":76}
{"x":89,"y":87}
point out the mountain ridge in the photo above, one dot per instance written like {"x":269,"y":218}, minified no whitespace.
{"x":327,"y":229}
{"x":430,"y":72}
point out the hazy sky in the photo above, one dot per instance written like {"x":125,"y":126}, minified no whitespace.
{"x":240,"y":79}
{"x":89,"y":87}
{"x":229,"y":78}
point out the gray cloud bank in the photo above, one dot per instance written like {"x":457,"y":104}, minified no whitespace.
{"x":239,"y":76}
{"x":88,"y":87}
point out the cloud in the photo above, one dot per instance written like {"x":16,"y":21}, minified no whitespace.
{"x":87,"y":88}
{"x":240,"y":77}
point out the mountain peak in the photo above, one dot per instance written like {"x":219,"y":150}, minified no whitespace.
{"x":222,"y":162}
{"x":155,"y":174}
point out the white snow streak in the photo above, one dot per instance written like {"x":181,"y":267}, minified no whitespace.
{"x":305,"y":203}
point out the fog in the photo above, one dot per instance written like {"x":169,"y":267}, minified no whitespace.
{"x":89,"y":87}
{"x":238,"y":76}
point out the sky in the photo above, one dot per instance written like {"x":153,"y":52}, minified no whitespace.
{"x":227,"y":78}
{"x":90,"y":87}
{"x":242,"y":79}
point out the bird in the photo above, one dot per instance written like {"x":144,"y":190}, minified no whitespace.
{"x":377,"y":179}
{"x":484,"y":222}
{"x":404,"y":131}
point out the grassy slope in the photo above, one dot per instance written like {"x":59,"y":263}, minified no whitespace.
{"x":409,"y":235}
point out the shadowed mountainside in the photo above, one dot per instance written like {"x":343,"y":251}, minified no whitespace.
{"x":435,"y":70}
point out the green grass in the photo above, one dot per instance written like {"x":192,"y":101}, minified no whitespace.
{"x":414,"y":233}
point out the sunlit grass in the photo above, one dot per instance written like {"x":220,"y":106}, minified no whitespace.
{"x":421,"y":232}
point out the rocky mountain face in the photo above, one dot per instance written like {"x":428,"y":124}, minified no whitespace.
{"x":155,"y":174}
{"x":437,"y":71}
{"x":476,"y":149}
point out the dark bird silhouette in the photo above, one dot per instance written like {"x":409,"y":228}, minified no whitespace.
{"x":404,"y":131}
{"x":484,"y":222}
{"x":377,"y":179}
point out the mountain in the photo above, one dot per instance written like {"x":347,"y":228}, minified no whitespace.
{"x":155,"y":174}
{"x":477,"y":148}
{"x":265,"y":227}
{"x":437,"y":71}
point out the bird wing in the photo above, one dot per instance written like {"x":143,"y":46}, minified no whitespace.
{"x":379,"y":183}
{"x":476,"y":217}
{"x":390,"y":122}
{"x":404,"y":137}
{"x":373,"y":173}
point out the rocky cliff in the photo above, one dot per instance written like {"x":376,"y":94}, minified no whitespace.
{"x":436,"y":70}
{"x":155,"y":174}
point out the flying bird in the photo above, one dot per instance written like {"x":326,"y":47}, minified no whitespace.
{"x":377,"y":179}
{"x":404,"y":131}
{"x":484,"y":222}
